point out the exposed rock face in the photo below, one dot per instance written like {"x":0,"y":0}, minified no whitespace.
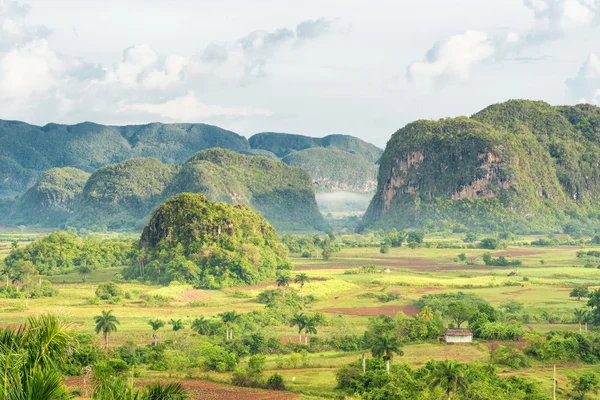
{"x":519,"y":163}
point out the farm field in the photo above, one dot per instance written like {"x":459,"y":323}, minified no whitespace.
{"x":542,"y":284}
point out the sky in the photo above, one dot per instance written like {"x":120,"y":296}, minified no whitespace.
{"x":311,"y":67}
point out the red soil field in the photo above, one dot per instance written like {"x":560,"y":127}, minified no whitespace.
{"x":204,"y":390}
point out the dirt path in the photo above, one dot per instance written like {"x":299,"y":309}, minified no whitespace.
{"x":390,"y":311}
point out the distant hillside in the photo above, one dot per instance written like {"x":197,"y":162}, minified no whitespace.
{"x":122,"y":196}
{"x":27,"y":150}
{"x":335,"y":170}
{"x":51,"y":200}
{"x":282,"y":144}
{"x":520,"y":165}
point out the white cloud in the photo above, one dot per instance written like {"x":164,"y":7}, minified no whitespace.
{"x":586,"y":85}
{"x":451,"y":59}
{"x":189,"y":108}
{"x":39,"y":84}
{"x":553,"y":19}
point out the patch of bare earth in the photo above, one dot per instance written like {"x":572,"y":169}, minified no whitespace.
{"x":194,"y":295}
{"x":199,"y":389}
{"x":385,"y":310}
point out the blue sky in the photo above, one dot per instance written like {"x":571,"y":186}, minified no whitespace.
{"x":310,"y":67}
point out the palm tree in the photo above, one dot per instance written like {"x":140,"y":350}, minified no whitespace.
{"x":229,"y":318}
{"x":14,"y":245}
{"x":156,"y":325}
{"x":450,"y":376}
{"x":385,"y":347}
{"x":426,"y":313}
{"x":30,"y":358}
{"x":554,"y":350}
{"x":106,"y":323}
{"x":310,"y":326}
{"x":300,"y":321}
{"x":171,"y":391}
{"x":589,"y":318}
{"x":580,"y":316}
{"x":201,"y":325}
{"x":177,"y":324}
{"x":283,"y":280}
{"x":302,"y":279}
{"x":6,"y":271}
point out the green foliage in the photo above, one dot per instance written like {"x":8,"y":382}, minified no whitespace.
{"x":511,"y":357}
{"x":108,"y":290}
{"x":524,"y":166}
{"x":582,"y":385}
{"x":282,"y":144}
{"x":211,"y":245}
{"x":27,"y":150}
{"x":335,"y":170}
{"x":500,"y":261}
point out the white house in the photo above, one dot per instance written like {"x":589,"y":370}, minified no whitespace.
{"x":458,"y":336}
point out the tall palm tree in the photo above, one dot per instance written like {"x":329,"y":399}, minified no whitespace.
{"x":310,"y":328}
{"x":229,"y":318}
{"x":385,"y":347}
{"x":177,"y":324}
{"x":30,"y":358}
{"x":302,"y":279}
{"x":156,"y":325}
{"x":589,"y":318}
{"x":580,"y":317}
{"x":450,"y":376}
{"x":300,"y":321}
{"x":201,"y":325}
{"x":554,"y":350}
{"x":106,"y":323}
{"x":283,"y":280}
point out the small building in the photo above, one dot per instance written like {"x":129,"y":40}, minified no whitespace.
{"x":458,"y":336}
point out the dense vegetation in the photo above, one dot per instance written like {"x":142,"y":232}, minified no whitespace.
{"x":282,"y":144}
{"x":52,"y":199}
{"x":335,"y":170}
{"x":211,"y":245}
{"x":28,"y":150}
{"x":122,"y":196}
{"x":519,"y":165}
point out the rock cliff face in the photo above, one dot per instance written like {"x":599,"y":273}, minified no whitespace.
{"x":517,"y":165}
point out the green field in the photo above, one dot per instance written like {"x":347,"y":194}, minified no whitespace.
{"x":413,"y":272}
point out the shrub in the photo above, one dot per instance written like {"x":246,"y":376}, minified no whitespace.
{"x":385,"y":249}
{"x":156,"y":300}
{"x":108,"y":290}
{"x":511,"y":357}
{"x":275,"y":382}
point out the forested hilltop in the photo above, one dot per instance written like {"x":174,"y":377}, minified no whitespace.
{"x":28,"y":151}
{"x":522,"y":165}
{"x":122,"y":196}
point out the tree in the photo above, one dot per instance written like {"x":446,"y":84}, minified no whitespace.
{"x":415,"y":237}
{"x":426,"y":313}
{"x":283,"y":281}
{"x":170,"y":391}
{"x":300,"y":321}
{"x":310,"y":327}
{"x":581,"y":316}
{"x":594,"y":304}
{"x":177,"y":324}
{"x":201,"y":325}
{"x":579,"y":292}
{"x":493,"y":331}
{"x":156,"y":325}
{"x":229,"y":318}
{"x":106,"y":323}
{"x":31,"y":356}
{"x":459,"y":312}
{"x":14,"y":245}
{"x":554,"y":349}
{"x":384,"y":347}
{"x":450,"y":376}
{"x":6,"y":270}
{"x":302,"y":279}
{"x":582,"y":385}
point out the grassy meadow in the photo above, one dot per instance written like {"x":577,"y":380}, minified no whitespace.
{"x":541,"y":283}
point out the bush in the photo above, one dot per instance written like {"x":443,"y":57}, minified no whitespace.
{"x":275,"y":382}
{"x":109,"y":290}
{"x":385,"y":249}
{"x":489,"y":243}
{"x":156,"y":300}
{"x":511,"y":357}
